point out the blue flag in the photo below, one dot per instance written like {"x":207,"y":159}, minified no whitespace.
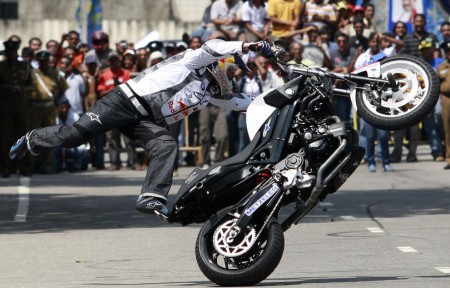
{"x":94,"y":18}
{"x":78,"y":19}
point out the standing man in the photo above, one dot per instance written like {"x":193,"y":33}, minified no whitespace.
{"x":412,"y":41}
{"x":285,"y":16}
{"x":76,"y":92}
{"x":49,"y":86}
{"x":109,"y":79}
{"x":15,"y":85}
{"x":443,"y":72}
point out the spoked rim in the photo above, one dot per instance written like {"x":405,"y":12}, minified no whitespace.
{"x":413,"y":83}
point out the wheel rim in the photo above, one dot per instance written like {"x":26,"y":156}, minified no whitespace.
{"x":225,"y":247}
{"x":414,"y":86}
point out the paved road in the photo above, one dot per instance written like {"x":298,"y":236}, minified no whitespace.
{"x":81,"y":230}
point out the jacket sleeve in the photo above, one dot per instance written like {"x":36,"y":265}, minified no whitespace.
{"x":211,"y":51}
{"x":237,"y":102}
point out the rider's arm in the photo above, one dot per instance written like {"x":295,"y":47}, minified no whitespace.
{"x":237,"y":102}
{"x":214,"y":50}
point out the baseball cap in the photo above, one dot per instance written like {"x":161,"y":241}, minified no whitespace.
{"x":426,"y":43}
{"x":129,"y":52}
{"x":113,"y":54}
{"x":43,"y":55}
{"x":62,"y":101}
{"x":155,"y":55}
{"x":90,"y":58}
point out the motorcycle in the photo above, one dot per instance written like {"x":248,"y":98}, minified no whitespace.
{"x":300,"y":152}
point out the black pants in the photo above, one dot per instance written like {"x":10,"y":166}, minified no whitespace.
{"x":115,"y":110}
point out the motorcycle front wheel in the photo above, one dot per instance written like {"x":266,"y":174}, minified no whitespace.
{"x":416,"y":98}
{"x":244,"y":262}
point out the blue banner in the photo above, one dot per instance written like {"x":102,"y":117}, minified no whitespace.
{"x":94,"y":18}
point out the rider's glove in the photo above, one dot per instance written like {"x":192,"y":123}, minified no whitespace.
{"x":264,"y":48}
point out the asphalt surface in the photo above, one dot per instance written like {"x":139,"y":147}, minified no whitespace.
{"x":81,"y":230}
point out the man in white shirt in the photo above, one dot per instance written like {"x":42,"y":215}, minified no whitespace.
{"x":77,"y":90}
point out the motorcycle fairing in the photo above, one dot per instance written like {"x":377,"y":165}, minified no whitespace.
{"x":266,"y":104}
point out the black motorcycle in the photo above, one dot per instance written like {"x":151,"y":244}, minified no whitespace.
{"x":300,"y":152}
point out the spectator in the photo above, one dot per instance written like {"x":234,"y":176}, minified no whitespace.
{"x":69,"y":159}
{"x":313,"y":50}
{"x":390,"y":45}
{"x":78,"y":59}
{"x":320,"y":14}
{"x":155,"y":58}
{"x":121,"y":47}
{"x":14,"y":106}
{"x":445,"y":32}
{"x":369,"y":13}
{"x":358,"y":40}
{"x":251,"y":85}
{"x":284,"y":16}
{"x":267,"y":77}
{"x":91,"y":77}
{"x":52,"y":46}
{"x":256,"y":20}
{"x":195,"y":42}
{"x":70,"y":53}
{"x":155,"y":46}
{"x":100,"y":42}
{"x":129,"y":61}
{"x":35,"y":44}
{"x":343,"y":60}
{"x":412,"y":41}
{"x":142,"y":55}
{"x":110,"y":78}
{"x":226,"y":15}
{"x":205,"y":30}
{"x":76,"y":92}
{"x":28,"y":56}
{"x":49,"y":86}
{"x":443,"y":72}
{"x":72,"y":38}
{"x":371,"y":132}
{"x":434,"y":119}
{"x":296,"y":54}
{"x":326,"y":40}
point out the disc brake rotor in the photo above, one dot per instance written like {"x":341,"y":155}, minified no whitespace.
{"x":409,"y":88}
{"x":236,"y":248}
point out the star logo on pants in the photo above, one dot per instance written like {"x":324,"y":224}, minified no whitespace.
{"x":94,"y":117}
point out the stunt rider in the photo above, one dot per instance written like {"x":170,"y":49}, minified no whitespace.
{"x":143,"y":107}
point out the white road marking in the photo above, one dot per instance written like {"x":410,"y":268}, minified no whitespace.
{"x":445,"y":270}
{"x":24,"y":199}
{"x":348,"y":217}
{"x":407,"y":249}
{"x":375,"y":230}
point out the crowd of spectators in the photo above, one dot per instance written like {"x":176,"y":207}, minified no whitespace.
{"x":57,"y":82}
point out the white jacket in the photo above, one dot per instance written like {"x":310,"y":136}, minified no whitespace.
{"x":178,"y":86}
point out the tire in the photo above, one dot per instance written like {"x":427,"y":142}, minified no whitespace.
{"x":407,"y":112}
{"x":266,"y":251}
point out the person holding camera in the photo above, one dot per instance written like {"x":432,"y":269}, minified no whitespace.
{"x":15,"y":84}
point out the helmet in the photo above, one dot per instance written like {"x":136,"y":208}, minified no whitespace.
{"x":220,"y":68}
{"x":99,"y":39}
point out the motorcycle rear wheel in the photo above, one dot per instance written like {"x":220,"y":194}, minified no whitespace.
{"x":243,"y":270}
{"x":419,"y":88}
